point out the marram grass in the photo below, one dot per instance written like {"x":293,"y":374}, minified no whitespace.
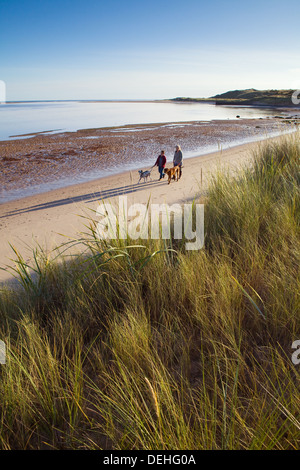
{"x":152,"y":347}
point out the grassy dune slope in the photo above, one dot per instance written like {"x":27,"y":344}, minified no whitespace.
{"x":153,"y":347}
{"x":256,"y":97}
{"x":250,"y":97}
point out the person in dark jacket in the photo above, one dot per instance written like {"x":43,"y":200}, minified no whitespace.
{"x":161,"y":163}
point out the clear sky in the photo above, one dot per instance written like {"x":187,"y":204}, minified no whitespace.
{"x":113,"y":49}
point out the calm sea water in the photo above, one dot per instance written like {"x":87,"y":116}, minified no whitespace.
{"x":23,"y":118}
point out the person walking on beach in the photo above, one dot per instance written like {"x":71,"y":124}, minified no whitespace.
{"x":177,"y":160}
{"x":161,"y":163}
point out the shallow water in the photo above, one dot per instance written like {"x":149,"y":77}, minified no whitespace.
{"x":62,"y":116}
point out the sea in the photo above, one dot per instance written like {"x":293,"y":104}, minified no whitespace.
{"x":23,"y":119}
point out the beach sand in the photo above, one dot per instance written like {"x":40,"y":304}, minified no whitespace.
{"x":53,"y":217}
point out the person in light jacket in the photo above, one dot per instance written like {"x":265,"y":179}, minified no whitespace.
{"x":177,"y":160}
{"x":161,"y":163}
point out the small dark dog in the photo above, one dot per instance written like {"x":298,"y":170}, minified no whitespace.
{"x":144,"y":174}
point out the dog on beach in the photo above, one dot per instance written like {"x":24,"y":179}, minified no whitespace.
{"x":172,"y":173}
{"x":144,"y":174}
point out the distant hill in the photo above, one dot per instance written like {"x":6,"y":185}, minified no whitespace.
{"x":256,"y":97}
{"x":250,"y":97}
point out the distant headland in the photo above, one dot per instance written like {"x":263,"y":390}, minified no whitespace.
{"x":250,"y":97}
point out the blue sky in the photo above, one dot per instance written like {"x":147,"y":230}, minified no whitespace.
{"x":131,"y":49}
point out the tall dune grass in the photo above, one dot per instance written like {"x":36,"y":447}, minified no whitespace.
{"x":153,"y":347}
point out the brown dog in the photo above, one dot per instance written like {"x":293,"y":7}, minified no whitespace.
{"x":172,"y":173}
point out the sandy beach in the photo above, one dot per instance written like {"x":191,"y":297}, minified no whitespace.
{"x":56,"y":216}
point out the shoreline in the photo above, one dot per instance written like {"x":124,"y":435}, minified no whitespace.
{"x":44,"y":162}
{"x":63,"y":184}
{"x":211,"y":100}
{"x":51,"y":218}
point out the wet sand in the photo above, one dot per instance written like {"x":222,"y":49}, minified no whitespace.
{"x":42,"y":162}
{"x":56,"y":216}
